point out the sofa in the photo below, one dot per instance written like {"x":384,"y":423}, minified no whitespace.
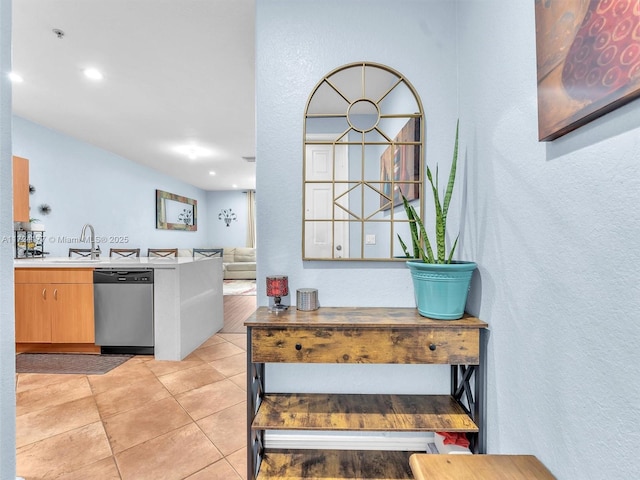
{"x":238,"y":263}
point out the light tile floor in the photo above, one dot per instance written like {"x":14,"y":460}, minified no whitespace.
{"x":145,"y":419}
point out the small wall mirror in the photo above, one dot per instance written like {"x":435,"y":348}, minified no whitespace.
{"x":363,"y":147}
{"x":175,"y":212}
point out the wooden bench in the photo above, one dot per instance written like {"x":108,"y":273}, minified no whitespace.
{"x":478,"y":467}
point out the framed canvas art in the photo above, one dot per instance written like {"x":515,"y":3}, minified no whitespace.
{"x":588,"y":61}
{"x":400,"y":166}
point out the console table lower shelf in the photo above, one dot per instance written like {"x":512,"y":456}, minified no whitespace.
{"x":362,"y":412}
{"x":335,"y":464}
{"x":366,"y":413}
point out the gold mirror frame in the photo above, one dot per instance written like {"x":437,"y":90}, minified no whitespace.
{"x":175,"y":212}
{"x":363,"y":144}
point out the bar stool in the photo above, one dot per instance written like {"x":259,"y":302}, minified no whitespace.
{"x":79,"y":252}
{"x":124,"y":252}
{"x":162,"y":252}
{"x":207,"y":252}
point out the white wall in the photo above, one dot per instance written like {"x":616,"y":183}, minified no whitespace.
{"x":7,"y":346}
{"x":555,"y":229}
{"x":86,"y":184}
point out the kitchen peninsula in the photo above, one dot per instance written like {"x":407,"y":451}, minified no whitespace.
{"x":187,"y":294}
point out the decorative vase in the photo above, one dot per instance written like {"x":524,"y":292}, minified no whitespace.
{"x":441,"y":289}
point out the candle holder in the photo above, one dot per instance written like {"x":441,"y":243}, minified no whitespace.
{"x":278,"y":287}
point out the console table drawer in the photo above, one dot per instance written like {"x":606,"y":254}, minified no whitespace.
{"x":456,"y":346}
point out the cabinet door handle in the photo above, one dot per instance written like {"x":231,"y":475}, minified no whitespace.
{"x":55,"y":293}
{"x":44,"y":293}
{"x":298,"y":346}
{"x":432,"y":347}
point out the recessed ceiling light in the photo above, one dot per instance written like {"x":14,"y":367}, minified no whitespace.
{"x":14,"y":77}
{"x":93,"y":73}
{"x":192,"y":151}
{"x":212,"y":172}
{"x":234,"y":185}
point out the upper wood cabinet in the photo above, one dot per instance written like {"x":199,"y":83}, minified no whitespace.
{"x":20,"y":189}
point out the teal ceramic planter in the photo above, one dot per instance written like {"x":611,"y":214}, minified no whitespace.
{"x":441,"y":289}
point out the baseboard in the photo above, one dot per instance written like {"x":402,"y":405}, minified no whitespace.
{"x":409,"y":441}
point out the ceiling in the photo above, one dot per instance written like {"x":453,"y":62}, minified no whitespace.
{"x":176,"y":72}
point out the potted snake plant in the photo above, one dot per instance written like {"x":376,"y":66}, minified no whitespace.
{"x":441,"y":284}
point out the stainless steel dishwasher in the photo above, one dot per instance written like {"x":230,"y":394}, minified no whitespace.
{"x":123,"y":308}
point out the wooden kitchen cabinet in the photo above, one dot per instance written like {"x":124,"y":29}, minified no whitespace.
{"x":33,"y":313}
{"x":54,"y":310}
{"x":20,"y":189}
{"x":359,"y":335}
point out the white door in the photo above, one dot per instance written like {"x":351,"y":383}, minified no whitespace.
{"x":325,"y":239}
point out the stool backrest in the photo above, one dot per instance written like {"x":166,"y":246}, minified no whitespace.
{"x":79,"y":252}
{"x":207,"y":252}
{"x":162,"y":252}
{"x":124,"y":252}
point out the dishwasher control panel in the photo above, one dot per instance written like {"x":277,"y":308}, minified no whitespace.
{"x":108,"y":275}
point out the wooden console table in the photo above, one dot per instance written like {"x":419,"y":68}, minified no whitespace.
{"x":359,"y":335}
{"x":478,"y":467}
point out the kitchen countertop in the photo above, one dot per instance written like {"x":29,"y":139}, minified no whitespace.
{"x":104,"y":262}
{"x":187,"y":300}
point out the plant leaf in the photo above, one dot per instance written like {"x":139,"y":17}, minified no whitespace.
{"x":412,"y":227}
{"x":452,"y":173}
{"x":421,"y":244}
{"x":418,"y":252}
{"x":427,"y":252}
{"x":441,"y":222}
{"x":453,"y":249}
{"x":450,"y":184}
{"x":404,"y":247}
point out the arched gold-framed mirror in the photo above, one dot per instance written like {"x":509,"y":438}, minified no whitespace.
{"x":363,"y":146}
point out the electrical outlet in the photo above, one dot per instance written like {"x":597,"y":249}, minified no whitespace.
{"x":370,"y":240}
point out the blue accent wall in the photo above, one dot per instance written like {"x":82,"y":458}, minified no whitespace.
{"x":554,"y":227}
{"x":86,"y":184}
{"x":235,"y":235}
{"x":298,"y":43}
{"x":7,"y":321}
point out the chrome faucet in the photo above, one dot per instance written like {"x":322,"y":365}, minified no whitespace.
{"x":83,"y":238}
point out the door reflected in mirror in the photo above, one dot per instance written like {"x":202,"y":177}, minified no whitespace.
{"x":363,"y":148}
